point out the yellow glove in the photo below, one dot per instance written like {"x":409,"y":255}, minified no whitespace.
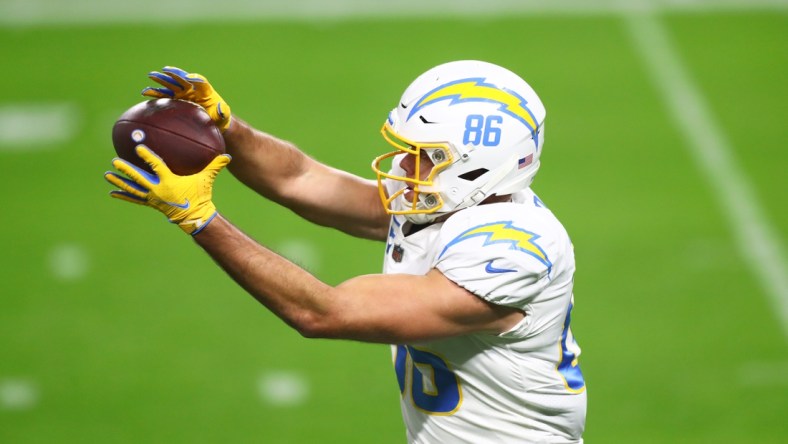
{"x":185,"y":200}
{"x":179,"y":84}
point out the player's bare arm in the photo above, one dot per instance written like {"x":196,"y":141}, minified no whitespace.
{"x":281,"y":172}
{"x":372,"y":308}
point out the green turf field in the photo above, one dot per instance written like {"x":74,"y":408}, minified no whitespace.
{"x":115,"y":327}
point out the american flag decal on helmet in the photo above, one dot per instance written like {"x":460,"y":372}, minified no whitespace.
{"x":525,"y":161}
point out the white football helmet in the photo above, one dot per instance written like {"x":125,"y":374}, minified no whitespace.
{"x":482,"y":127}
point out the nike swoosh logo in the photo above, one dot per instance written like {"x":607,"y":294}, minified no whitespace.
{"x":403,"y":105}
{"x":183,"y":206}
{"x":490,"y":269}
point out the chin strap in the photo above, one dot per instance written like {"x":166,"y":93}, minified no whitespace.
{"x":484,"y":192}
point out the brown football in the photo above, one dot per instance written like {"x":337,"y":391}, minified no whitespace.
{"x":180,"y":132}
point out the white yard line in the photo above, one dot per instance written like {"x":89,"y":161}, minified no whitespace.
{"x":24,"y":13}
{"x":283,"y":388}
{"x":763,"y":374}
{"x":755,"y":237}
{"x":69,"y":262}
{"x":37,"y":126}
{"x":18,"y":394}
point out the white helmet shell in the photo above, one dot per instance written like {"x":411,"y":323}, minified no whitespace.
{"x":482,"y":127}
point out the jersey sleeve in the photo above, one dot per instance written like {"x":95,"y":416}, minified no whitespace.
{"x":498,"y":260}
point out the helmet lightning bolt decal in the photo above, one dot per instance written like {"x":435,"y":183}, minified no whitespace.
{"x":475,"y":90}
{"x":504,"y":233}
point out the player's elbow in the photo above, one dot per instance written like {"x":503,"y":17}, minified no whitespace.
{"x":335,"y":316}
{"x":314,"y":325}
{"x":309,"y":326}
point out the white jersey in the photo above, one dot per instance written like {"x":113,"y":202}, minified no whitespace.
{"x":522,"y":386}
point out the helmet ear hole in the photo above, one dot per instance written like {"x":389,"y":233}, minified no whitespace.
{"x":470,"y":176}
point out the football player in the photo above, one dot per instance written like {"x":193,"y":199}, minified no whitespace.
{"x":476,"y":288}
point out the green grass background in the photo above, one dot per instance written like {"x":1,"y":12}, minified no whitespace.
{"x":156,"y":344}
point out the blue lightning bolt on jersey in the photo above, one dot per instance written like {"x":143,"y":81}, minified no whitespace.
{"x":524,"y":385}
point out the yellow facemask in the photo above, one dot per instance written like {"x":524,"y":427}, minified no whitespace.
{"x":439,"y":154}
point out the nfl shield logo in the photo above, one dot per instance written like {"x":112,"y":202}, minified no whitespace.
{"x":397,"y":252}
